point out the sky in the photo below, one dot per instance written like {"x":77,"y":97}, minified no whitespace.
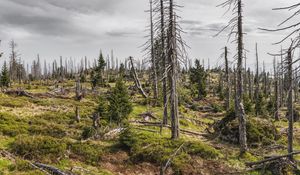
{"x":78,"y":28}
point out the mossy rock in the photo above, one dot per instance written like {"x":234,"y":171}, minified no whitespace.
{"x":259,"y":132}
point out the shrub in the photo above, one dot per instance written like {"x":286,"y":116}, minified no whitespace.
{"x":48,"y":130}
{"x":88,"y":152}
{"x":11,"y":126}
{"x":153,"y":148}
{"x":39,"y":147}
{"x":21,"y":165}
{"x":88,"y":132}
{"x":258,"y":132}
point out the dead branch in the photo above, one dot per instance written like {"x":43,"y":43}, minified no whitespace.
{"x":250,"y":164}
{"x":136,"y":80}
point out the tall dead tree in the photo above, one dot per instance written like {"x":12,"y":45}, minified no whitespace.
{"x":164,"y":60}
{"x":256,"y":83}
{"x":289,"y":67}
{"x":236,"y":28}
{"x":276,"y":92}
{"x":153,"y":59}
{"x":227,"y":103}
{"x":172,"y":74}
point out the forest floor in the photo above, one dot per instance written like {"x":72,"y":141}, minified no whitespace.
{"x":43,"y":130}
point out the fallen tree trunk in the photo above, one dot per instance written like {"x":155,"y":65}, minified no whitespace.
{"x":250,"y":164}
{"x":51,"y":169}
{"x":19,"y":93}
{"x":157,"y":124}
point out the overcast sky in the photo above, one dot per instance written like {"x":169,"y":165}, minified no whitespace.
{"x":78,"y":28}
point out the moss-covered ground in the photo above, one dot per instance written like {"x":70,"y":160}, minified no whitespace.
{"x":44,"y":130}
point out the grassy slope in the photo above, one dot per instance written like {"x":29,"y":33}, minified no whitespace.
{"x":38,"y":120}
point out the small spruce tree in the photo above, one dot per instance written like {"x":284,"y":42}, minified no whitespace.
{"x":4,"y":76}
{"x":198,"y":77}
{"x":119,"y":105}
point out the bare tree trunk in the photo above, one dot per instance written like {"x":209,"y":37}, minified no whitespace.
{"x":282,"y":104}
{"x":172,"y":57}
{"x":296,"y":88}
{"x":240,"y":112}
{"x":227,"y":103}
{"x":155,"y":86}
{"x":78,"y":89}
{"x":164,"y":60}
{"x":77,"y":115}
{"x":136,"y":79}
{"x":256,"y":83}
{"x":290,"y":101}
{"x":250,"y":84}
{"x":276,"y":115}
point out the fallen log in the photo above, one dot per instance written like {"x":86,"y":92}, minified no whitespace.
{"x":157,"y":124}
{"x":19,"y":92}
{"x":51,"y":169}
{"x":250,"y":164}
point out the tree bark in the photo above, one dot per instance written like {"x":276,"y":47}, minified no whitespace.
{"x":227,"y":102}
{"x":256,"y":83}
{"x":172,"y":57}
{"x":155,"y":86}
{"x":276,"y":114}
{"x":164,"y":61}
{"x":136,"y":80}
{"x":240,"y":112}
{"x":290,"y":101}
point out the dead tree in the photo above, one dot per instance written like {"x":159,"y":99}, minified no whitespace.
{"x":77,"y":115}
{"x":236,"y":28}
{"x":136,"y":79}
{"x":250,"y":84}
{"x":289,"y":66}
{"x":164,"y":59}
{"x":276,"y":92}
{"x":173,"y":73}
{"x":153,"y":59}
{"x":96,"y":120}
{"x":256,"y":83}
{"x":78,"y":90}
{"x":227,"y":103}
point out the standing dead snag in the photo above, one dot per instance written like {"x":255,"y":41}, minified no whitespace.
{"x":236,"y":28}
{"x":77,"y":115}
{"x":276,"y":91}
{"x":172,"y":57}
{"x":289,"y":64}
{"x":153,"y":59}
{"x":256,"y":83}
{"x":136,"y":79}
{"x":164,"y":61}
{"x":78,"y":90}
{"x":227,"y":80}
